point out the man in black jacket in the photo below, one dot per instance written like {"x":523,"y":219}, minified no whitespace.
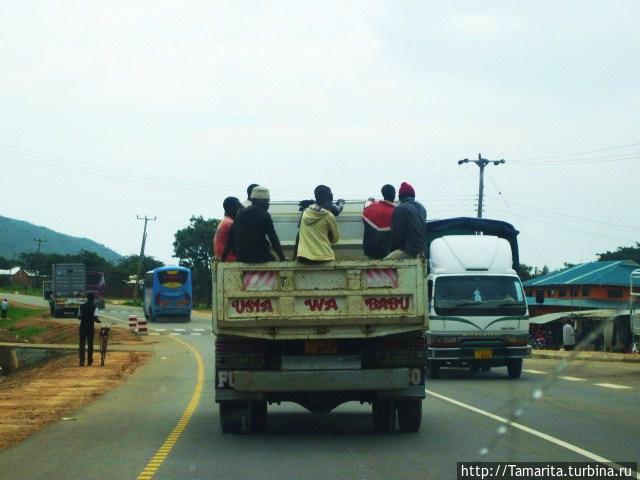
{"x":250,"y":231}
{"x":408,"y":226}
{"x":87,"y":316}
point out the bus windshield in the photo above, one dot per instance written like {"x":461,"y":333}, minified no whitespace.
{"x":172,"y":278}
{"x":479,"y":295}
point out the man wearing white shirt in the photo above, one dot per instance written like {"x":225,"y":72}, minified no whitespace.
{"x":568,"y":336}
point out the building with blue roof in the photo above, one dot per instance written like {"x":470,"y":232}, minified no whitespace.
{"x":588,"y":288}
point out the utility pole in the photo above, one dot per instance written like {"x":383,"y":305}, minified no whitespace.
{"x":40,"y":241}
{"x":140,"y":259}
{"x":481,"y":162}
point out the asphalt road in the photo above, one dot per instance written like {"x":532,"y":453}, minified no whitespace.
{"x":585,"y":412}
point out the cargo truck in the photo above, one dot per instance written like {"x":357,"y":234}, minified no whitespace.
{"x":320,"y":335}
{"x":68,"y":288}
{"x":478,"y":315}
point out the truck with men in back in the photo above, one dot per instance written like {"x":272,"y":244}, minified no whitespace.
{"x":320,"y":335}
{"x":478,"y":315}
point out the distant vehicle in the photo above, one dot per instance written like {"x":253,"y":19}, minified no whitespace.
{"x":46,"y":289}
{"x":96,"y":284}
{"x":478,"y":315}
{"x":320,"y":335}
{"x":167,"y":294}
{"x":634,"y":299}
{"x":68,"y":288}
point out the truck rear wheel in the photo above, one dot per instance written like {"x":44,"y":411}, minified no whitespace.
{"x":232,"y":416}
{"x":258,"y":416}
{"x":410,"y":415}
{"x":384,"y":415}
{"x":514,"y":368}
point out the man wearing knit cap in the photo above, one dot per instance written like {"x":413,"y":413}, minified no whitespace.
{"x":250,"y":230}
{"x":408,"y":226}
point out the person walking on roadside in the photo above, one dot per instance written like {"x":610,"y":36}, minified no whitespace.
{"x":318,"y":229}
{"x":376,"y":217}
{"x":4,"y":308}
{"x":247,"y":203}
{"x":408,"y":226}
{"x":251,"y":229}
{"x":568,"y":336}
{"x":231,"y":206}
{"x":87,"y":316}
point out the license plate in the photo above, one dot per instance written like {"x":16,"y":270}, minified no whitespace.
{"x":483,"y":354}
{"x":316,"y":347}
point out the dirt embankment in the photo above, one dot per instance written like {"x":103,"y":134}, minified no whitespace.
{"x":38,"y":396}
{"x":35,"y":397}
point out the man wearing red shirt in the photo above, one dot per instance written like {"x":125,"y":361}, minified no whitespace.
{"x":231,"y":206}
{"x":377,"y":225}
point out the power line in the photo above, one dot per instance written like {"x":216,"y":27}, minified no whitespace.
{"x":574,"y":217}
{"x":606,"y":149}
{"x":529,"y":237}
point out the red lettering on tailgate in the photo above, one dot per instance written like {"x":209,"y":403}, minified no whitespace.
{"x":321,"y":304}
{"x":252,"y":306}
{"x":387,"y":303}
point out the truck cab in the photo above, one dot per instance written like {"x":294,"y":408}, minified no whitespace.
{"x":477,"y":307}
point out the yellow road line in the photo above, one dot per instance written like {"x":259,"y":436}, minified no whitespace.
{"x":163,"y":452}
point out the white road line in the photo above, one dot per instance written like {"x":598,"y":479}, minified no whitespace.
{"x":198,"y":329}
{"x":175,"y":334}
{"x":195,"y":333}
{"x":179,"y":330}
{"x":534,"y":372}
{"x":612,"y":385}
{"x":572,"y":379}
{"x":154,"y":333}
{"x":160,"y":329}
{"x":524,"y":428}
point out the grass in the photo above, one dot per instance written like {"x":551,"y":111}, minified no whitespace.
{"x":17,"y":313}
{"x":19,"y":289}
{"x":132,"y":303}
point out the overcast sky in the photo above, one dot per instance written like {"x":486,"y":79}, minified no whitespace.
{"x":113,"y":109}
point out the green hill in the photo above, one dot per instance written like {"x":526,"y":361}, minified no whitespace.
{"x":16,"y":236}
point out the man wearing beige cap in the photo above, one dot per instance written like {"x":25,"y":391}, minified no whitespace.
{"x":252,"y":227}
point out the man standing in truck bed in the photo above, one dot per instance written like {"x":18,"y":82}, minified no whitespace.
{"x":376,"y":217}
{"x":231,"y":206}
{"x":318,"y":229}
{"x":408,"y":226}
{"x":250,"y":230}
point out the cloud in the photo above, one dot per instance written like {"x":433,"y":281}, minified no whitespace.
{"x":486,"y":25}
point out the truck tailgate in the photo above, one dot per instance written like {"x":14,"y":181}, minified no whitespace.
{"x":285,"y":296}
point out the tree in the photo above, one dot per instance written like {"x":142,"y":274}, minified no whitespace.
{"x":622,"y":253}
{"x":194,"y":247}
{"x":129,"y":264}
{"x":524,"y":272}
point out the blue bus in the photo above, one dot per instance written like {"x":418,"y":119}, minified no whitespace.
{"x":167,"y":294}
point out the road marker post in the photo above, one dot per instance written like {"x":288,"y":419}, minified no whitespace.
{"x":142,"y":326}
